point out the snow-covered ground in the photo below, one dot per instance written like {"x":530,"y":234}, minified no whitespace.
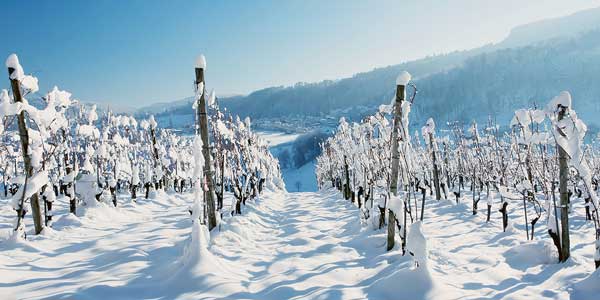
{"x":288,"y":246}
{"x":301,"y":179}
{"x":275,"y":138}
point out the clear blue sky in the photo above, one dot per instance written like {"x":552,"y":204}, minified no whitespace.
{"x":134,"y":53}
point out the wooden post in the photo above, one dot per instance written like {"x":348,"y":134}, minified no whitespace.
{"x":564,"y":193}
{"x":223,"y":157}
{"x":525,"y":195}
{"x":436,"y":172}
{"x":347,"y":190}
{"x":157,"y":162}
{"x":24,"y":136}
{"x":400,"y":90}
{"x":203,"y":131}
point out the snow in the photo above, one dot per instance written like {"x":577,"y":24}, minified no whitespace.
{"x":531,"y":254}
{"x":30,"y":83}
{"x":196,"y":254}
{"x":415,"y":284}
{"x":274,"y":138}
{"x":563,"y":99}
{"x":88,"y":131}
{"x":34,"y":185}
{"x":135,"y":177}
{"x":13,"y":62}
{"x":300,"y":179}
{"x":428,"y":128}
{"x":396,"y":204}
{"x":403,"y":78}
{"x":92,"y":114}
{"x":416,"y":244}
{"x":287,"y":246}
{"x":199,"y":93}
{"x":60,"y":98}
{"x":225,"y":132}
{"x":152,"y":122}
{"x":589,"y":288}
{"x":212,"y":97}
{"x":200,"y":62}
{"x":7,"y":108}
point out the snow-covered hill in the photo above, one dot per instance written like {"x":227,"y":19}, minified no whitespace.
{"x":535,"y":61}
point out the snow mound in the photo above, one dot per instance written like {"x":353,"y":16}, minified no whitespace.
{"x":563,"y":99}
{"x":12,"y":61}
{"x":196,"y":252}
{"x":201,"y":62}
{"x":531,"y":254}
{"x":403,"y":78}
{"x":237,"y":226}
{"x":101,"y":212}
{"x":16,"y":241}
{"x":417,"y":243}
{"x":396,"y":204}
{"x":198,"y":265}
{"x":404,"y":283}
{"x":196,"y":260}
{"x":49,"y":232}
{"x":68,"y":220}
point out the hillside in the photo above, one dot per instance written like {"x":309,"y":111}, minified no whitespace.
{"x":534,"y":62}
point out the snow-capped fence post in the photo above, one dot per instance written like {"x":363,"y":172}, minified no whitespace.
{"x":553,"y":224}
{"x":401,"y":82}
{"x":525,"y":196}
{"x":203,"y":131}
{"x":347,"y":191}
{"x":504,"y":211}
{"x":445,"y":185}
{"x":156,"y":159}
{"x":428,"y":131}
{"x":24,"y":137}
{"x":564,"y":192}
{"x":222,"y":173}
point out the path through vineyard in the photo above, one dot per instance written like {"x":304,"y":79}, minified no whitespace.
{"x":284,"y":246}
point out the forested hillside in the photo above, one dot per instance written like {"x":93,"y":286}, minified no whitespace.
{"x":534,"y":62}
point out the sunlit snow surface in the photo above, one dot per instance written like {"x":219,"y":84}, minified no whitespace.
{"x":277,"y":138}
{"x":288,"y":246}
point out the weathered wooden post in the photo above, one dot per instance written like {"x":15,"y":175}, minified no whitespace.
{"x":401,"y":83}
{"x":222,"y":187}
{"x":564,"y":192}
{"x":428,"y":132}
{"x":155,"y":157}
{"x":12,"y":63}
{"x":202,"y":129}
{"x":347,"y":191}
{"x":436,"y":172}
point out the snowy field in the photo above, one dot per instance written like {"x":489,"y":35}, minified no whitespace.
{"x":288,"y":246}
{"x":274,"y":138}
{"x":301,"y":179}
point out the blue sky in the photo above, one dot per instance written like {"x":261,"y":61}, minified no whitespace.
{"x":134,"y":53}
